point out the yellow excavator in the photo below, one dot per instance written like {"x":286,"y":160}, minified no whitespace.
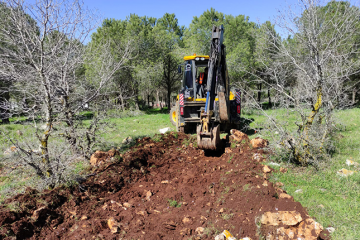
{"x":205,"y":103}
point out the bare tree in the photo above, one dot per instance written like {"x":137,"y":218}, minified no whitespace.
{"x":309,"y":71}
{"x":42,"y":50}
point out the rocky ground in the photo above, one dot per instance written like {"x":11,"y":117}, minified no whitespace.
{"x":167,"y":189}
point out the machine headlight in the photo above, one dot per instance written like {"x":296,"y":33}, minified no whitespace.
{"x":197,"y":59}
{"x":202,"y":59}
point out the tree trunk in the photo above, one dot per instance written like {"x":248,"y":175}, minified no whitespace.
{"x":353,"y":96}
{"x":168,"y":99}
{"x":4,"y":107}
{"x":122,"y":102}
{"x":157,"y":98}
{"x":259,"y":92}
{"x":270,"y":104}
{"x":44,"y":138}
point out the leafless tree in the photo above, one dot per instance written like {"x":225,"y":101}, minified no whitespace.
{"x":43,"y":52}
{"x":309,"y":70}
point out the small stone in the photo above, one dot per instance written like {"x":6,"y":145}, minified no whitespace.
{"x":113,"y":225}
{"x":139,"y":222}
{"x":221,"y":210}
{"x":164,"y":130}
{"x":265,"y":184}
{"x":165,"y":182}
{"x":127,"y":140}
{"x":74,"y":227}
{"x":72,"y":213}
{"x":104,"y":207}
{"x":185,"y":231}
{"x":238,"y":136}
{"x":285,"y":196}
{"x":208,"y":204}
{"x":199,"y":230}
{"x":142,"y":213}
{"x":114,"y":229}
{"x":148,"y":195}
{"x":299,"y":191}
{"x":150,"y":145}
{"x":351,"y":163}
{"x":127,"y":205}
{"x":344,"y":172}
{"x":257,"y":157}
{"x":279,"y":184}
{"x":220,"y":237}
{"x":259,"y":142}
{"x":289,"y":218}
{"x":266,"y":169}
{"x":98,"y":157}
{"x":84,"y":217}
{"x":186,"y":220}
{"x":228,"y":150}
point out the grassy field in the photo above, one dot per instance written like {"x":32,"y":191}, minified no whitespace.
{"x":136,"y":124}
{"x":145,"y":124}
{"x":332,"y":200}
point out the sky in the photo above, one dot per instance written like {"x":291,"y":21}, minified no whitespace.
{"x":258,"y":10}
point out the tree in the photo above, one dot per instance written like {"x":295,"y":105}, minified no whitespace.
{"x":168,"y":38}
{"x":46,"y":65}
{"x":323,"y":55}
{"x":240,"y":36}
{"x":198,"y":35}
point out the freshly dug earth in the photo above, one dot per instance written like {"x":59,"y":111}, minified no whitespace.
{"x":167,"y":189}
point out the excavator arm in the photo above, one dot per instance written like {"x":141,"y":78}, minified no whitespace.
{"x":208,"y":130}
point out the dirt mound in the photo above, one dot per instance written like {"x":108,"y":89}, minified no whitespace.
{"x":158,"y":190}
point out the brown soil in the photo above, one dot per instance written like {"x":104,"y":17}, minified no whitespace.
{"x":172,"y":187}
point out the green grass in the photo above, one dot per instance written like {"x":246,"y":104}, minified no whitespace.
{"x":174,"y":203}
{"x":136,"y":127}
{"x":128,"y":124}
{"x":330,"y":199}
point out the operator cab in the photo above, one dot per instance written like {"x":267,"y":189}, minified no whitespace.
{"x":194,"y":65}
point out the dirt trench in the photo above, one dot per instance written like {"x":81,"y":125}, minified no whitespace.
{"x":166,"y":189}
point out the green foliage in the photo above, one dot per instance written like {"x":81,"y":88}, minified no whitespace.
{"x":174,"y":203}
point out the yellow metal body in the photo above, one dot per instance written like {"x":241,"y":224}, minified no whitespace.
{"x":186,"y":58}
{"x":191,"y":99}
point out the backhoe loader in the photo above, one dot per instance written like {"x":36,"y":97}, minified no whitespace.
{"x":205,"y":102}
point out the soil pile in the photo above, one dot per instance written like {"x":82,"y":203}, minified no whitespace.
{"x":167,"y":189}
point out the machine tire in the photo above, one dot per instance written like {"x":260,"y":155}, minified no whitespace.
{"x":173,"y":115}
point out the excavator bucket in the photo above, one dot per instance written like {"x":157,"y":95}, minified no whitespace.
{"x":208,"y":140}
